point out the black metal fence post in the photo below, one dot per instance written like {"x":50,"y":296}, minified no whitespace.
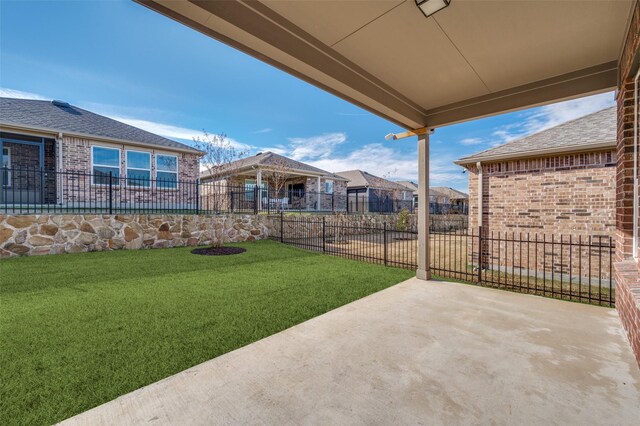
{"x":324,"y":234}
{"x":282,"y":227}
{"x":110,"y":192}
{"x":480,"y":250}
{"x":385,"y":243}
{"x":256,"y":194}
{"x":197,"y":197}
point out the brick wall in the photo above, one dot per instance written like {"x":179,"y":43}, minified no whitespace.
{"x":560,"y":195}
{"x":627,"y":269}
{"x":77,"y":185}
{"x":550,"y":204}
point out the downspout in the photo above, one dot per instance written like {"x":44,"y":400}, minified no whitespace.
{"x":59,"y":173}
{"x":479,"y":166}
{"x":635,"y":166}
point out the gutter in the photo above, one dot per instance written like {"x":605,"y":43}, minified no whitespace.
{"x":538,"y":153}
{"x":21,"y":127}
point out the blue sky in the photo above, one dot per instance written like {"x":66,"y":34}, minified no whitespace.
{"x":120,"y":59}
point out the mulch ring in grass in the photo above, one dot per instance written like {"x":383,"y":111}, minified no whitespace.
{"x":218,"y":251}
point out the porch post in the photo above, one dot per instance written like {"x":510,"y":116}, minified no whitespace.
{"x":423,"y":271}
{"x":318,"y":195}
{"x":259,"y":185}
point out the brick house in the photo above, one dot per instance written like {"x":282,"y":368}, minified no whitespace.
{"x":556,"y":186}
{"x":57,"y":153}
{"x":372,"y":194}
{"x":558,"y":181}
{"x":451,"y":200}
{"x":286,"y":184}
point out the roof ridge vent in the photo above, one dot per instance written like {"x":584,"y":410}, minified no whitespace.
{"x":59,"y":103}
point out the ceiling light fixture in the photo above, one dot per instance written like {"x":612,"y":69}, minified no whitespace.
{"x":429,"y":7}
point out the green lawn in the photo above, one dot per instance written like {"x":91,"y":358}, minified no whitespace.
{"x":79,"y":330}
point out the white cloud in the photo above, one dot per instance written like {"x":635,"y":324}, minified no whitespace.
{"x":471,"y":141}
{"x":315,"y":147}
{"x":548,"y":116}
{"x":265,"y":130}
{"x":375,"y":158}
{"x":11,"y":93}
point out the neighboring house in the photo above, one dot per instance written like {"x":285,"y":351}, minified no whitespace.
{"x":286,"y":184}
{"x":449,"y":200}
{"x":372,"y":194}
{"x":413,"y":187}
{"x":441,"y":199}
{"x":56,"y":153}
{"x":559,"y":181}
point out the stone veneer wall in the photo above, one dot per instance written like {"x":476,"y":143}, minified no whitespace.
{"x":53,"y":234}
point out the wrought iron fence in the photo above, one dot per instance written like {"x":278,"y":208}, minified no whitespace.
{"x":577,"y":268}
{"x":32,"y":190}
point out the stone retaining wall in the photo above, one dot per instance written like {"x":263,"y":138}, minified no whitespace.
{"x":52,"y":234}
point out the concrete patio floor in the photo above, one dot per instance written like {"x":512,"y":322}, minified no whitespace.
{"x":416,"y":353}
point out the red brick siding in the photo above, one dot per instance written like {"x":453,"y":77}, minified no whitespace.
{"x":76,"y":157}
{"x":561,"y":195}
{"x":546,"y":203}
{"x":627,"y":269}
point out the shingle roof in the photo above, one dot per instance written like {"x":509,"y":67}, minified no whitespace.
{"x":411,"y":186}
{"x":359,"y":178}
{"x":591,"y":131}
{"x":45,"y":115}
{"x":452,"y":194}
{"x":266,"y":159}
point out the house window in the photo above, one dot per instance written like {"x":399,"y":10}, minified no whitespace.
{"x":6,"y":164}
{"x":138,"y":169}
{"x":166,"y":171}
{"x":104,"y":161}
{"x":328,"y":186}
{"x":249,"y":185}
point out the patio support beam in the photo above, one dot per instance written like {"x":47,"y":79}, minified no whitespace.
{"x":259,"y":185}
{"x":423,"y":271}
{"x":319,"y":200}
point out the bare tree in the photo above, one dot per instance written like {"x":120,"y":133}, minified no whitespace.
{"x":219,"y":155}
{"x":276,"y":175}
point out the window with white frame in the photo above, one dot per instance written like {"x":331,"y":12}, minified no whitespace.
{"x":328,"y":187}
{"x":139,"y":169}
{"x":6,"y":165}
{"x":104,"y":161}
{"x":166,"y":171}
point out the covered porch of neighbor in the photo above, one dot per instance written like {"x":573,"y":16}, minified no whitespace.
{"x":28,"y":169}
{"x":267,"y":189}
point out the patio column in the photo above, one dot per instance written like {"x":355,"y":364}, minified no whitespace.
{"x":318,"y":201}
{"x":259,"y":185}
{"x":423,"y":271}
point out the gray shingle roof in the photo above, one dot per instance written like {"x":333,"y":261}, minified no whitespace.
{"x":412,"y":186}
{"x":266,"y":159}
{"x":360,"y":178}
{"x":593,"y":130}
{"x":452,"y":194}
{"x":39,"y":114}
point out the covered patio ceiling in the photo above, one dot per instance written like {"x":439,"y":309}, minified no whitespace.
{"x":471,"y":59}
